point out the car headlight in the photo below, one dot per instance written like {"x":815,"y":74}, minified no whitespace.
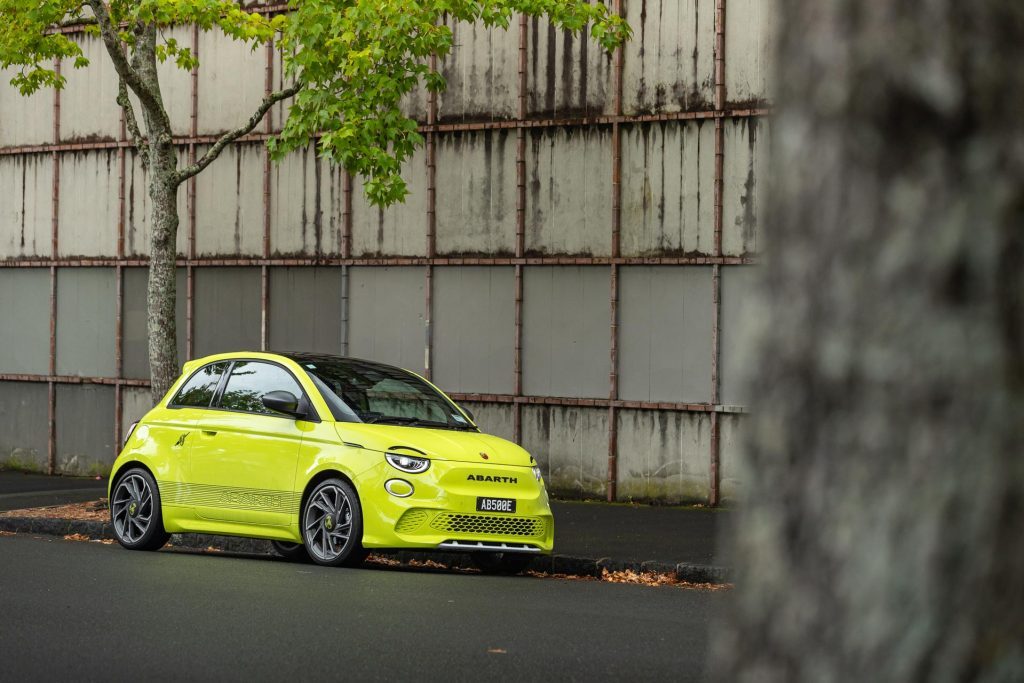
{"x":407,"y":463}
{"x":536,"y":473}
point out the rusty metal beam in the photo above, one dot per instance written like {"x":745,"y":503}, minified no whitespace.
{"x":51,"y":439}
{"x":268,"y":87}
{"x":190,"y":276}
{"x":517,"y":346}
{"x":716,"y":288}
{"x":613,"y":388}
{"x":255,"y":261}
{"x":568,"y":122}
{"x":431,"y":227}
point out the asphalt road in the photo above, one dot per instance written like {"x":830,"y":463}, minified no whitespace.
{"x":19,"y":490}
{"x":87,"y":611}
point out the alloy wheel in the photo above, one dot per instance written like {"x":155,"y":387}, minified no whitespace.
{"x":327,"y":523}
{"x":132,"y":508}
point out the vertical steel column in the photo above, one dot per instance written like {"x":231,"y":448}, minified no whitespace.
{"x":51,"y":440}
{"x":119,"y":278}
{"x":716,"y":287}
{"x":346,"y":252}
{"x":613,"y":384}
{"x":517,"y":358}
{"x":268,"y":86}
{"x":190,"y":278}
{"x":428,"y":345}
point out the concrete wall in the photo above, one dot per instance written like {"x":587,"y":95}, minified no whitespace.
{"x":542,"y":185}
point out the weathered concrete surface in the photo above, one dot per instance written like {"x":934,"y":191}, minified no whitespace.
{"x":25,"y":312}
{"x":23,"y":414}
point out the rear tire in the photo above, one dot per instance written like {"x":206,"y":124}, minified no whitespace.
{"x":296,"y":552}
{"x":135,"y":512}
{"x":502,"y":563}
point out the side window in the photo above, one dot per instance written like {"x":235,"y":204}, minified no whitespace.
{"x":250,"y":380}
{"x":199,"y":389}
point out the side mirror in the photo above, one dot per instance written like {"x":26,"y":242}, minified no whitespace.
{"x":283,"y":402}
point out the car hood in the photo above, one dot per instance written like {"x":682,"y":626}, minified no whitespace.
{"x":438,"y":444}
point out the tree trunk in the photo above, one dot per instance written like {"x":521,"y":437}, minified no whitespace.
{"x":161,"y":296}
{"x":883,"y":534}
{"x":163,"y":193}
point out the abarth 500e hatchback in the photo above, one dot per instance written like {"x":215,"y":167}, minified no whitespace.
{"x":326,"y":457}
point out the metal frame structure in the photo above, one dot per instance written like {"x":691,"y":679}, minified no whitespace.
{"x":430,"y":129}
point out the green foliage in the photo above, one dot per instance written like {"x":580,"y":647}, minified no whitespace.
{"x":355,"y":60}
{"x":358,"y":59}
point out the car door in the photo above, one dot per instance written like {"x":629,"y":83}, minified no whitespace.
{"x":170,"y":432}
{"x":244,"y":456}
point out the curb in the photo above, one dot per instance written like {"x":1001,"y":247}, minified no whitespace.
{"x":554,"y":564}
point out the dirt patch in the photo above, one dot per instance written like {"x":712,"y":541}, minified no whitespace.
{"x":91,"y":511}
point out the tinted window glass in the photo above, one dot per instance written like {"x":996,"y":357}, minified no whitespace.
{"x":382,"y":394}
{"x":200,"y":387}
{"x":250,"y":380}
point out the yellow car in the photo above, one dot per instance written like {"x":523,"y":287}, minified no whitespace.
{"x":327,"y":457}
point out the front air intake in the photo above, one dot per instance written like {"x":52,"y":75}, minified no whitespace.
{"x":488,"y":525}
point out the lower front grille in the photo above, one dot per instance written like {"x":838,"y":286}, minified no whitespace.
{"x":488,"y":525}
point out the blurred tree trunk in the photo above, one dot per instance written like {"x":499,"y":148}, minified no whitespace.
{"x":883,"y":533}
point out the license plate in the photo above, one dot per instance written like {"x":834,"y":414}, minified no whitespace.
{"x":495,"y":505}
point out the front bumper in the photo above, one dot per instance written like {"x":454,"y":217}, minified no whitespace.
{"x":441,"y":514}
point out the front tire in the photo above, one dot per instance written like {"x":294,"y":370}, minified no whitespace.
{"x":135,"y":512}
{"x":502,"y":563}
{"x":332,"y":525}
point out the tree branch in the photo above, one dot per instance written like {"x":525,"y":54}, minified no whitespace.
{"x":229,"y":137}
{"x":130,"y":76}
{"x":141,"y":143}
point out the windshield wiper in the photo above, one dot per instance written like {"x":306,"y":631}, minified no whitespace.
{"x":413,"y":422}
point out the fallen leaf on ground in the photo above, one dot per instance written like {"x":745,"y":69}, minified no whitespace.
{"x":76,"y":537}
{"x":497,"y":651}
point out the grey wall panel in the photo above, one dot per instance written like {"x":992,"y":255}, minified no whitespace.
{"x":476,"y":196}
{"x":88,"y":103}
{"x":305,"y":309}
{"x":668,"y":189}
{"x":26,"y":211}
{"x":24,"y":415}
{"x":482,"y":72}
{"x":669,"y":64}
{"x":24,"y":120}
{"x":306,"y":205}
{"x":135,"y":349}
{"x":739,"y":286}
{"x":135,"y":403}
{"x":386,"y":309}
{"x":730,"y":456}
{"x":494,"y":418}
{"x":137,"y":207}
{"x":569,"y":190}
{"x":400,"y":230}
{"x":474,"y":328}
{"x":664,"y":456}
{"x":86,"y":320}
{"x":25,"y":312}
{"x":665,"y":320}
{"x":743,"y":192}
{"x":571,"y":447}
{"x":567,"y":75}
{"x":85,"y":429}
{"x":227,"y":310}
{"x":89,"y":206}
{"x":232,"y":82}
{"x":229,"y":203}
{"x":566,"y":346}
{"x":750,"y":29}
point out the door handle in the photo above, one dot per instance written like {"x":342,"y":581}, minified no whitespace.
{"x":207,"y":432}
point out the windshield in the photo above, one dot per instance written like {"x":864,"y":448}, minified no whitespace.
{"x":379,"y":394}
